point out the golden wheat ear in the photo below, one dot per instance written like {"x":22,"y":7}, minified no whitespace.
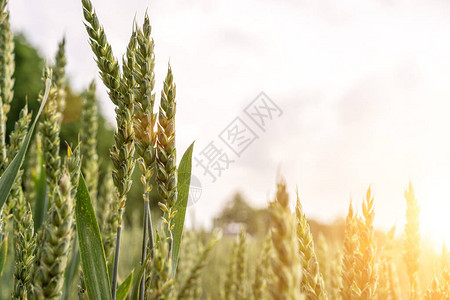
{"x":313,"y":285}
{"x":351,"y":245}
{"x":411,"y":242}
{"x":366,"y":267}
{"x":285,"y":262}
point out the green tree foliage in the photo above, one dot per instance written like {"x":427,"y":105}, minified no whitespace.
{"x":238,"y":211}
{"x":27,"y":76}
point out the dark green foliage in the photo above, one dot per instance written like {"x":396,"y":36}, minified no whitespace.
{"x":27,"y":76}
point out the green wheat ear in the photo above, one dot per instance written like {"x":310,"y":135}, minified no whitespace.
{"x":16,"y":137}
{"x":3,"y":11}
{"x":89,"y":124}
{"x":191,"y":283}
{"x":25,"y":249}
{"x":262,"y":274}
{"x":106,"y":62}
{"x":144,"y":127}
{"x":59,"y":79}
{"x":145,"y":119}
{"x":166,"y":164}
{"x":7,"y":67}
{"x":50,"y":130}
{"x":122,"y":153}
{"x":241,"y":261}
{"x":161,"y":281}
{"x":23,"y":222}
{"x":57,"y":231}
{"x":229,"y":286}
{"x":121,"y":91}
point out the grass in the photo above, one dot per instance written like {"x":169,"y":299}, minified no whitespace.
{"x":288,"y":262}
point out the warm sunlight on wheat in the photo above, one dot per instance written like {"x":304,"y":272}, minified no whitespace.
{"x":94,"y":211}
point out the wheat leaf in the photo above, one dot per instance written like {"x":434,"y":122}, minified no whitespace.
{"x":124,"y":288}
{"x":138,"y":277}
{"x":92,"y":255}
{"x":41,"y":201}
{"x":3,"y":251}
{"x":9,"y":176}
{"x":184,"y":181}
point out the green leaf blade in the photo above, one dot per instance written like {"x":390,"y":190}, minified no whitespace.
{"x":124,"y":288}
{"x":3,"y":252}
{"x":137,"y":278}
{"x":9,"y":176}
{"x":92,"y":255}
{"x":184,"y":181}
{"x":41,"y":201}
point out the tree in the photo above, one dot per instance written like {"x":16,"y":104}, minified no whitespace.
{"x":238,"y":212}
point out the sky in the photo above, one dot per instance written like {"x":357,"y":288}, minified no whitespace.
{"x":358,"y":91}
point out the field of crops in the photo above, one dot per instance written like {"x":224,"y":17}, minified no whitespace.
{"x":64,"y":230}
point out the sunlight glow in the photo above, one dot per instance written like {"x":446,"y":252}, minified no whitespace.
{"x":435,"y":222}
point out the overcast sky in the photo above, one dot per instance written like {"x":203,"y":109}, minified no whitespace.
{"x":362,"y":85}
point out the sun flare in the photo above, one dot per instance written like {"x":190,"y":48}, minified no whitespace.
{"x":435,"y":222}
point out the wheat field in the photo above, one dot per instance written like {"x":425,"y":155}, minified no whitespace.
{"x":64,"y":230}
